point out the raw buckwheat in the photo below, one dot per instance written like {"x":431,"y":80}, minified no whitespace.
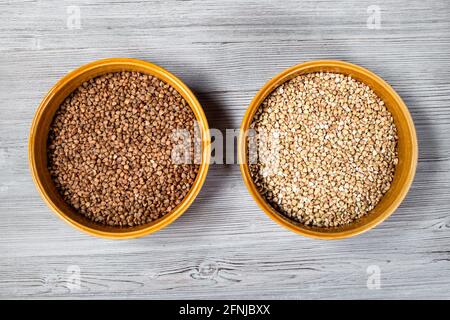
{"x":327,"y":149}
{"x":109,"y":149}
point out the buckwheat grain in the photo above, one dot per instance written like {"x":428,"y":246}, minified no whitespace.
{"x":109,"y":149}
{"x":327,"y":149}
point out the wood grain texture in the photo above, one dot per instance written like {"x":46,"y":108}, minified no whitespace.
{"x":224,"y":246}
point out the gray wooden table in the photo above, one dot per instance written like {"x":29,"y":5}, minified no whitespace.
{"x":224,"y":246}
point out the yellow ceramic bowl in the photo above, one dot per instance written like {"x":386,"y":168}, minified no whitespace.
{"x":407,"y":149}
{"x":38,"y":145}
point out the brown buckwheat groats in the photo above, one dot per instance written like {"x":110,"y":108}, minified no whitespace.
{"x":110,"y":149}
{"x":332,"y":149}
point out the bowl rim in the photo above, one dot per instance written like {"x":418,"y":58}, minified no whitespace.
{"x":242,"y":152}
{"x":154,"y":70}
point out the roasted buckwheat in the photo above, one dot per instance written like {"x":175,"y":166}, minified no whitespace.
{"x":109,"y":149}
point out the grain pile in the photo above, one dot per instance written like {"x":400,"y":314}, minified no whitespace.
{"x":109,"y":149}
{"x":327,"y":149}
